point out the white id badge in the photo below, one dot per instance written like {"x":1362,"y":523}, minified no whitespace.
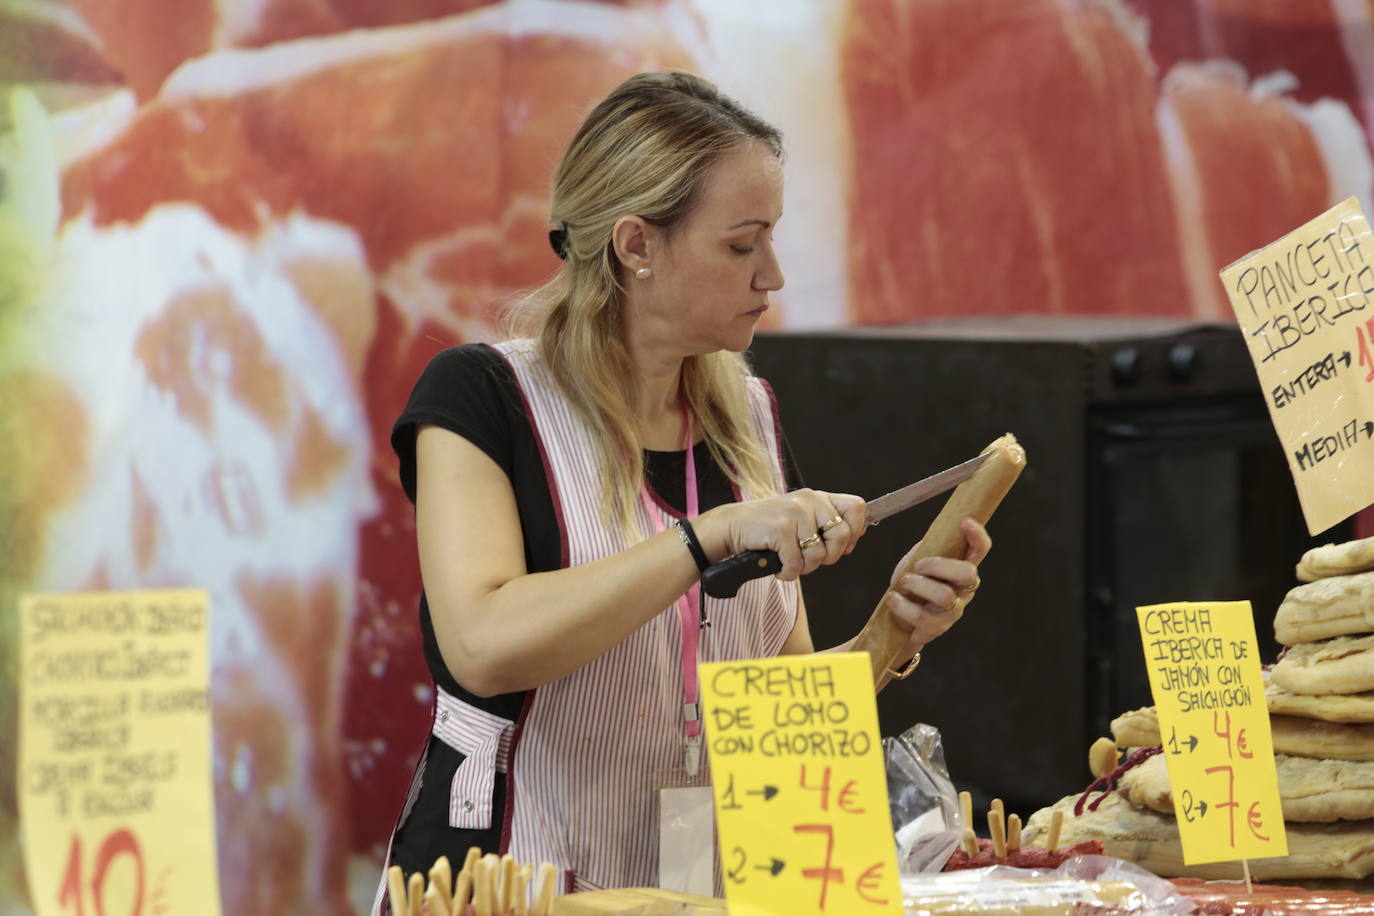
{"x":686,"y":833}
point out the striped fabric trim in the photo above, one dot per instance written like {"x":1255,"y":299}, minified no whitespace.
{"x":417,"y":779}
{"x":510,"y":771}
{"x":484,"y":741}
{"x":594,"y":741}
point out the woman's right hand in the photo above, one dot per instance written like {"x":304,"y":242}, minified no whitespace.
{"x":788,"y":525}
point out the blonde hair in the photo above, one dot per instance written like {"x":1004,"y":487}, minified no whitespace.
{"x":643,"y":150}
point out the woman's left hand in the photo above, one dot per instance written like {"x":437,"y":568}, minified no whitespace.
{"x":933,"y":595}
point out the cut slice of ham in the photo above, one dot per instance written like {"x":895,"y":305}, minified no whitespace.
{"x":145,"y":40}
{"x":382,"y":193}
{"x":1005,"y":160}
{"x":46,"y":43}
{"x":217,"y":441}
{"x":1247,"y":167}
{"x":1025,"y":857}
{"x":1307,"y":38}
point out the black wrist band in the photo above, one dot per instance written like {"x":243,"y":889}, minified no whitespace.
{"x":689,"y":537}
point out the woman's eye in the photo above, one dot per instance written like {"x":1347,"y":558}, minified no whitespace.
{"x":741,"y":249}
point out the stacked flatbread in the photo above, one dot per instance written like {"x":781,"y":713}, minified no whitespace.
{"x":1321,"y":704}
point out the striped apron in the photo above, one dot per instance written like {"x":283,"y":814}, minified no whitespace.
{"x":582,"y":760}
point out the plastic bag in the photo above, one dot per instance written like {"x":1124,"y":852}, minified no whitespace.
{"x":922,"y":800}
{"x":1083,"y":884}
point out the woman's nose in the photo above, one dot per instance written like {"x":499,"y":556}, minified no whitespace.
{"x":769,"y":276}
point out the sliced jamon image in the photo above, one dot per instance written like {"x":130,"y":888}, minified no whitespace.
{"x":1006,"y":160}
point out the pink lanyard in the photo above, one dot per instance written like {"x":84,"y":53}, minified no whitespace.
{"x":689,"y":609}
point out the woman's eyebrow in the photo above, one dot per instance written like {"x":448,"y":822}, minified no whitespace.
{"x":755,"y":222}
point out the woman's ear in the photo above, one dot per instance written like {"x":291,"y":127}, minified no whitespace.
{"x":633,"y":241}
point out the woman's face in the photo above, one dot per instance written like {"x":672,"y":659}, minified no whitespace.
{"x":713,"y":273}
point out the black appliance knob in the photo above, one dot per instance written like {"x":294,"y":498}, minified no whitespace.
{"x":1183,"y":362}
{"x":1126,"y":366}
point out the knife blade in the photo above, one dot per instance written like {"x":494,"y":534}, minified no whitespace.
{"x":723,"y":579}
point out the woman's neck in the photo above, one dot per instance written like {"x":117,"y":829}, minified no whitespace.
{"x":658,"y":407}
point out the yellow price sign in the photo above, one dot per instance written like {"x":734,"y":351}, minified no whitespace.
{"x":800,"y":786}
{"x":1205,"y":676}
{"x":1305,"y":304}
{"x":116,"y":799}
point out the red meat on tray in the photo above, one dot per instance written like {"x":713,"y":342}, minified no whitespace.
{"x":1023,"y":857}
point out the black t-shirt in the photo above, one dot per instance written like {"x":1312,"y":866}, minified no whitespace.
{"x":471,"y":390}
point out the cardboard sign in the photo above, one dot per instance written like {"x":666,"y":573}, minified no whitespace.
{"x":1306,"y":306}
{"x":1205,"y":676}
{"x":800,"y":786}
{"x":115,"y":787}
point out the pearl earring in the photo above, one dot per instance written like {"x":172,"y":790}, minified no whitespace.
{"x":643,"y":273}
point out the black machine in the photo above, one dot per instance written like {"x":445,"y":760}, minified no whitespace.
{"x":1153,"y":475}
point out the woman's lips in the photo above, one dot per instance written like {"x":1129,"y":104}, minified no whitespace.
{"x":760,"y":310}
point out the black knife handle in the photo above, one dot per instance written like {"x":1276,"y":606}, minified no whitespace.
{"x":723,"y":579}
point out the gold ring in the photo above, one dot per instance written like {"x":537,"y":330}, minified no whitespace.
{"x":971,"y":587}
{"x":807,"y":542}
{"x":830,"y":524}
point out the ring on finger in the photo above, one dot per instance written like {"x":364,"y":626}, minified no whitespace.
{"x":809,"y":541}
{"x":971,"y":587}
{"x":830,"y":524}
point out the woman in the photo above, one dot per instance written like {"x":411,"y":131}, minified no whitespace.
{"x":571,"y":486}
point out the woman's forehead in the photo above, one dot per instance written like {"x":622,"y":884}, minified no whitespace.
{"x":744,"y":186}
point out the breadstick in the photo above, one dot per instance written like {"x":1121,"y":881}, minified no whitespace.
{"x":1013,"y":833}
{"x":484,"y":885}
{"x":1056,"y":824}
{"x":462,"y":892}
{"x":970,"y":841}
{"x":509,"y":869}
{"x":436,"y":900}
{"x":522,"y":890}
{"x":396,"y":891}
{"x":415,"y":899}
{"x":999,"y":836}
{"x":884,"y":637}
{"x":442,"y":875}
{"x":544,"y":890}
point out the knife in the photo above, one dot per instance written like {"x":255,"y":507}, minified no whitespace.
{"x":723,"y":579}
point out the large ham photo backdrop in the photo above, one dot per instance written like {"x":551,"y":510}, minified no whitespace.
{"x":232,"y":232}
